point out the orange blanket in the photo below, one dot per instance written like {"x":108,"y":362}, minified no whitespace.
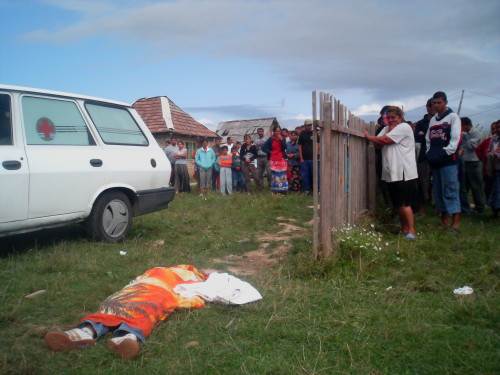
{"x":149,"y":299}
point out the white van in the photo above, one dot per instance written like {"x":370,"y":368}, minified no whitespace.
{"x":69,"y":158}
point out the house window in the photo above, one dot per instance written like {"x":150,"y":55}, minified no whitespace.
{"x":191,"y":146}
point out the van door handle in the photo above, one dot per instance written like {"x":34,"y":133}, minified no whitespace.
{"x":96,"y":162}
{"x":11,"y":165}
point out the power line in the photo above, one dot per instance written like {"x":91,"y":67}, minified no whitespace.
{"x":489,"y":96}
{"x":488,"y":110}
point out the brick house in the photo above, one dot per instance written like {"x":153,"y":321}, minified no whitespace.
{"x":166,"y":120}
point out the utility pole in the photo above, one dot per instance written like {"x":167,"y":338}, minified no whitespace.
{"x":460,"y":104}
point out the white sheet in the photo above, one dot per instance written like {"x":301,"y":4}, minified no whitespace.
{"x":221,"y":287}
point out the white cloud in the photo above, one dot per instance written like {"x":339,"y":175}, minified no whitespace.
{"x":389,"y":51}
{"x":207,"y":122}
{"x":367,"y":109}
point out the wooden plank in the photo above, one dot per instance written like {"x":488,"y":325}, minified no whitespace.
{"x":325,"y":186}
{"x":316,"y":213}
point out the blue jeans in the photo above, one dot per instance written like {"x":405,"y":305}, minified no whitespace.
{"x":122,"y":330}
{"x":446,"y":189}
{"x":238,"y":181}
{"x":306,"y":169}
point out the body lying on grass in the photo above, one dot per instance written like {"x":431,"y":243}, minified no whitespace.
{"x":131,"y":313}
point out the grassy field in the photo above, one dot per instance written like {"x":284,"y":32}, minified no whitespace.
{"x":383,"y":305}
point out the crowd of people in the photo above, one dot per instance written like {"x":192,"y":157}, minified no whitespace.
{"x":437,"y":160}
{"x":284,"y":159}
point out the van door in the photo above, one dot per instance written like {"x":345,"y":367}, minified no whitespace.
{"x":14,"y":172}
{"x":66,"y":165}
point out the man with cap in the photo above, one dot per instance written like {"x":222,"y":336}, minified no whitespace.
{"x":423,"y":168}
{"x":442,"y":140}
{"x":306,"y":156}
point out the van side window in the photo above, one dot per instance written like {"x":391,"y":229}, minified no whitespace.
{"x":54,"y":122}
{"x":116,"y":125}
{"x":5,"y":121}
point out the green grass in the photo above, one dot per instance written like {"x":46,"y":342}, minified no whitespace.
{"x":384,"y":310}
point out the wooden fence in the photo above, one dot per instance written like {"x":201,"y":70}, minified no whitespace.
{"x":347,"y":180}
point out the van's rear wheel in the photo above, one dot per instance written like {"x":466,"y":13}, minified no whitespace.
{"x":111,"y":218}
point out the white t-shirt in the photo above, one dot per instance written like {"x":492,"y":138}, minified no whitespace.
{"x":398,"y":159}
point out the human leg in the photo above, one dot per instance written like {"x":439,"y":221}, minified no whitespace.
{"x":424,"y":180}
{"x":240,"y":181}
{"x":450,"y":183}
{"x":456,"y":221}
{"x":234,"y":178}
{"x":172,"y":175}
{"x":229,"y":181}
{"x":177,"y":178}
{"x":407,"y":220}
{"x":261,"y":167}
{"x":437,"y":186}
{"x":474,"y":178}
{"x":223,"y":180}
{"x":256,"y":178}
{"x":125,"y":341}
{"x":269,"y":175}
{"x":462,"y":188}
{"x":247,"y":175}
{"x":77,"y":338}
{"x":304,"y":169}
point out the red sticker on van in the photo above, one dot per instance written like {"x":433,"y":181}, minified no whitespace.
{"x":46,"y":129}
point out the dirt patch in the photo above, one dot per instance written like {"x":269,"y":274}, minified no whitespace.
{"x":264,"y":257}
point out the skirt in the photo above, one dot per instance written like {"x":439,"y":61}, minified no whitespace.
{"x":182,"y":178}
{"x":279,"y":182}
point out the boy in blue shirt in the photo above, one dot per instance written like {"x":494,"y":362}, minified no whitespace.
{"x":237,"y":173}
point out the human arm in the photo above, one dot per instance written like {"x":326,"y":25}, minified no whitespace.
{"x":381,"y":141}
{"x":420,"y":132}
{"x":456,"y":133}
{"x":181,"y":155}
{"x":473,"y":141}
{"x":266,"y":147}
{"x":197,"y":159}
{"x":300,"y":154}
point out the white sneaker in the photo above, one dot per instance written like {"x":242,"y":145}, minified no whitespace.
{"x":124,"y":347}
{"x":76,"y":338}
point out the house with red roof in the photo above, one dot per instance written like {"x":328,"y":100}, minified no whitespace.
{"x":166,"y":120}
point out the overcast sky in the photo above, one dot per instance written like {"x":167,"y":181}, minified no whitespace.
{"x":237,"y":59}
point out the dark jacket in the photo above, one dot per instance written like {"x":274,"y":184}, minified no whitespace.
{"x":244,"y":152}
{"x":422,"y":126}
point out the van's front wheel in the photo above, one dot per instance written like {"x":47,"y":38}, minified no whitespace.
{"x":111,"y":218}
